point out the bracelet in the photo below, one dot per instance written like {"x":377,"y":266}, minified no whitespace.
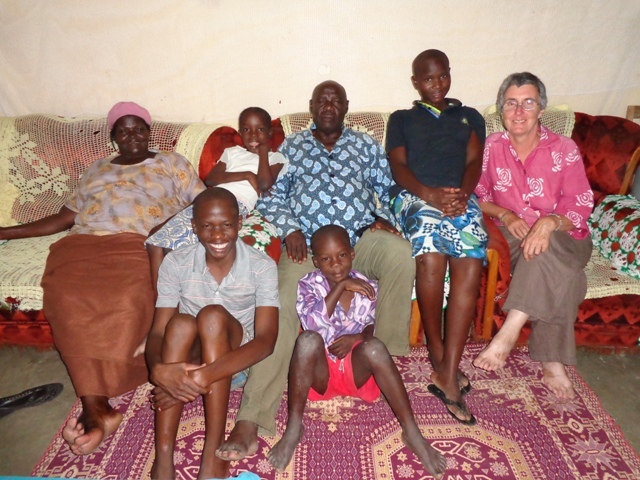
{"x":504,"y":215}
{"x":559,"y":220}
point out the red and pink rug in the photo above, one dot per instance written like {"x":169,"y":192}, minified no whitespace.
{"x":522,"y":433}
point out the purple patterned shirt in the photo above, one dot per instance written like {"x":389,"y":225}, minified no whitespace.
{"x":312,"y":310}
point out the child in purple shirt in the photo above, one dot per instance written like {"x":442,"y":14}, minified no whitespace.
{"x":337,"y":353}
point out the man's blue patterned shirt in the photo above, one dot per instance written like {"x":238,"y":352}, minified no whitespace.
{"x":321,"y":187}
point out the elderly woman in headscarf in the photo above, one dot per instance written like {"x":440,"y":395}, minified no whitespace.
{"x":98,"y":295}
{"x":534,"y":186}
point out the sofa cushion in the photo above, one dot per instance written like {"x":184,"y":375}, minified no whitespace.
{"x":22,"y":267}
{"x":44,"y":155}
{"x":559,"y":119}
{"x":606,"y":144}
{"x":615,"y":231}
{"x":372,"y":123}
{"x":225,"y":137}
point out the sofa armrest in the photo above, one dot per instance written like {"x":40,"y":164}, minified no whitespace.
{"x":630,"y":172}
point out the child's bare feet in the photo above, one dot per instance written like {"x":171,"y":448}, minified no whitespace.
{"x":242,"y":442}
{"x":430,"y":458}
{"x":554,"y":376}
{"x":282,"y":452}
{"x":87,"y":432}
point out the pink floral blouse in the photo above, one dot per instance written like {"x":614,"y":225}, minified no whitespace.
{"x":551,"y":180}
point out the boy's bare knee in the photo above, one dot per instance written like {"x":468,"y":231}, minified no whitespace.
{"x":309,"y":343}
{"x":212,"y":317}
{"x":374,"y":349}
{"x":181,"y":323}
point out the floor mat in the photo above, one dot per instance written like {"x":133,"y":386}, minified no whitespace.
{"x":522,"y":433}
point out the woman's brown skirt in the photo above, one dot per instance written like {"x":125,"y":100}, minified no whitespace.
{"x":549,"y":288}
{"x":98,"y":299}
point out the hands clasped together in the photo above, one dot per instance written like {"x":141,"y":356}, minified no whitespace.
{"x":535,"y":239}
{"x":175,"y":383}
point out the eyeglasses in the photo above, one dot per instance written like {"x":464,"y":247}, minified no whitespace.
{"x":527,"y":105}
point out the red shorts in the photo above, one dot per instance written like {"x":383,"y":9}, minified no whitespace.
{"x":342,"y":384}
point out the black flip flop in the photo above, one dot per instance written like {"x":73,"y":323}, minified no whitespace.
{"x":447,"y":402}
{"x":29,"y":398}
{"x":467,"y":388}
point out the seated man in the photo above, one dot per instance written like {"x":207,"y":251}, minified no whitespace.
{"x":333,"y":177}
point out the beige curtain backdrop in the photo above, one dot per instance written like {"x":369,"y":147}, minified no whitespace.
{"x":205,"y":60}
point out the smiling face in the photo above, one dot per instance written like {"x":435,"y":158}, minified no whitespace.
{"x":432,"y":79}
{"x":328,"y":106}
{"x":520,"y":122}
{"x":333,"y":255}
{"x":254,"y":130}
{"x":131,"y":134}
{"x":216,"y":223}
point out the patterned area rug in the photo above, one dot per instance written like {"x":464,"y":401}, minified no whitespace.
{"x":522,"y":433}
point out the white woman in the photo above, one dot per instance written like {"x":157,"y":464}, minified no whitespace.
{"x":534,"y":186}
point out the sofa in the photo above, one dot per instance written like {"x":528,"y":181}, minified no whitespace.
{"x":41,"y":158}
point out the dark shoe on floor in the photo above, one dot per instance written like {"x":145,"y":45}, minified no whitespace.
{"x":29,"y":398}
{"x":447,"y":402}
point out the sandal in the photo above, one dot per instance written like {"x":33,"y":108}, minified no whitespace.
{"x":447,"y":402}
{"x":467,"y":388}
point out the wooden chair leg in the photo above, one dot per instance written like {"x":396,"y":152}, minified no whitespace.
{"x":416,"y":332}
{"x":490,"y":294}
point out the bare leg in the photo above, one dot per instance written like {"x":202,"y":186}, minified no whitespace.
{"x":430,"y":272}
{"x":494,"y":356}
{"x":97,"y":421}
{"x":371,"y":357}
{"x":308,"y":369}
{"x":465,"y":284}
{"x":178,"y":343}
{"x":554,"y":376}
{"x":219,"y":333}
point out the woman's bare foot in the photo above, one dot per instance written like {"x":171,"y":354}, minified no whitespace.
{"x":430,"y":458}
{"x":494,"y":356}
{"x":242,"y":442}
{"x":554,"y":376}
{"x":282,"y":452}
{"x":97,"y":421}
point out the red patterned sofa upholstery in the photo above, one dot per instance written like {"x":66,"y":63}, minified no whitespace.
{"x":607,"y":145}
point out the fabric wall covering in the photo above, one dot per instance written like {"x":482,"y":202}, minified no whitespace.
{"x":205,"y":60}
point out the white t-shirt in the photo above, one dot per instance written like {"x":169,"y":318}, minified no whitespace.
{"x":238,"y":159}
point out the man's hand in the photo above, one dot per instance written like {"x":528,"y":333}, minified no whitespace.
{"x":343,"y":345}
{"x":537,"y":240}
{"x":382,"y":224}
{"x":296,"y":247}
{"x":174,"y":379}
